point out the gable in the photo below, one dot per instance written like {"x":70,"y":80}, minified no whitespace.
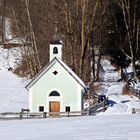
{"x":64,"y":67}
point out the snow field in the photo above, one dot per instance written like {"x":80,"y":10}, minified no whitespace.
{"x":13,"y":95}
{"x":117,"y":127}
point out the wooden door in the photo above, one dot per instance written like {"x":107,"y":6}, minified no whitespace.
{"x":54,"y":107}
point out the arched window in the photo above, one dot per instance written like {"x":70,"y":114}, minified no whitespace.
{"x":55,"y":50}
{"x":54,"y":93}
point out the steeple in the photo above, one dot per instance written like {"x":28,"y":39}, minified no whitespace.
{"x":56,"y":46}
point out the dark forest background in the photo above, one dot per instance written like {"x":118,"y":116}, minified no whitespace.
{"x":87,"y":28}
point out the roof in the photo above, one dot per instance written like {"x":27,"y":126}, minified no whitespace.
{"x":56,"y":39}
{"x":47,"y":67}
{"x":55,"y":42}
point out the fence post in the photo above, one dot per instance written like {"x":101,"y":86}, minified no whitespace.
{"x":88,"y":111}
{"x":44,"y":114}
{"x":68,"y":114}
{"x":133,"y":111}
{"x":20,"y":115}
{"x":104,"y":105}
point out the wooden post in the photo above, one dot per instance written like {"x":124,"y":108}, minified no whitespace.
{"x":107,"y":101}
{"x":88,"y":111}
{"x":20,"y":115}
{"x":68,"y":114}
{"x":44,"y":114}
{"x":104,"y":105}
{"x":133,"y":111}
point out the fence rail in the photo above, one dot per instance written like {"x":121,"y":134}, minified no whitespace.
{"x":98,"y":107}
{"x":25,"y":114}
{"x":32,"y":115}
{"x":136,"y":92}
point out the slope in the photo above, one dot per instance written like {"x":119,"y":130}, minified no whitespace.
{"x":13,"y":95}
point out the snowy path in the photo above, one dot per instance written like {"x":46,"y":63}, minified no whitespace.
{"x":118,"y":127}
{"x":118,"y":103}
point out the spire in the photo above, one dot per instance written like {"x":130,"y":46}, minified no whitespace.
{"x":56,"y":38}
{"x":56,"y":46}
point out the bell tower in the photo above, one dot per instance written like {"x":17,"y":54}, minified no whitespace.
{"x":56,"y":46}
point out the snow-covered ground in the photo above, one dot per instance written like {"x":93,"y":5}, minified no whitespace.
{"x":9,"y":57}
{"x":13,"y":95}
{"x":117,"y":127}
{"x":118,"y":102}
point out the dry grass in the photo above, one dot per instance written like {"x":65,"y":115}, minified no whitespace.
{"x":127,"y":91}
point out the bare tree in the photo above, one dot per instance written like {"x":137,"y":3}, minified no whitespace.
{"x":132,"y":23}
{"x":34,"y":45}
{"x":3,"y":20}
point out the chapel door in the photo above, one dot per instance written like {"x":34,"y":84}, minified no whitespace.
{"x":54,"y":107}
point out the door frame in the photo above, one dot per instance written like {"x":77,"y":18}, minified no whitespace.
{"x":54,"y":99}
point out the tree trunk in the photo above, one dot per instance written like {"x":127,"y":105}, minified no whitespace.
{"x":36,"y":54}
{"x":83,"y":36}
{"x":3,"y":20}
{"x":100,"y":46}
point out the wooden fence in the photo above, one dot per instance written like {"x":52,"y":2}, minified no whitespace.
{"x":25,"y":114}
{"x":37,"y":115}
{"x":135,"y":110}
{"x":98,"y":107}
{"x":136,"y":92}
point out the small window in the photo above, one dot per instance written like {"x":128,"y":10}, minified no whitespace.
{"x":67,"y":108}
{"x":55,"y":50}
{"x":54,"y":93}
{"x":41,"y":108}
{"x":55,"y":72}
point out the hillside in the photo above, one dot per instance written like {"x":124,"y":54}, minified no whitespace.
{"x":13,"y":95}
